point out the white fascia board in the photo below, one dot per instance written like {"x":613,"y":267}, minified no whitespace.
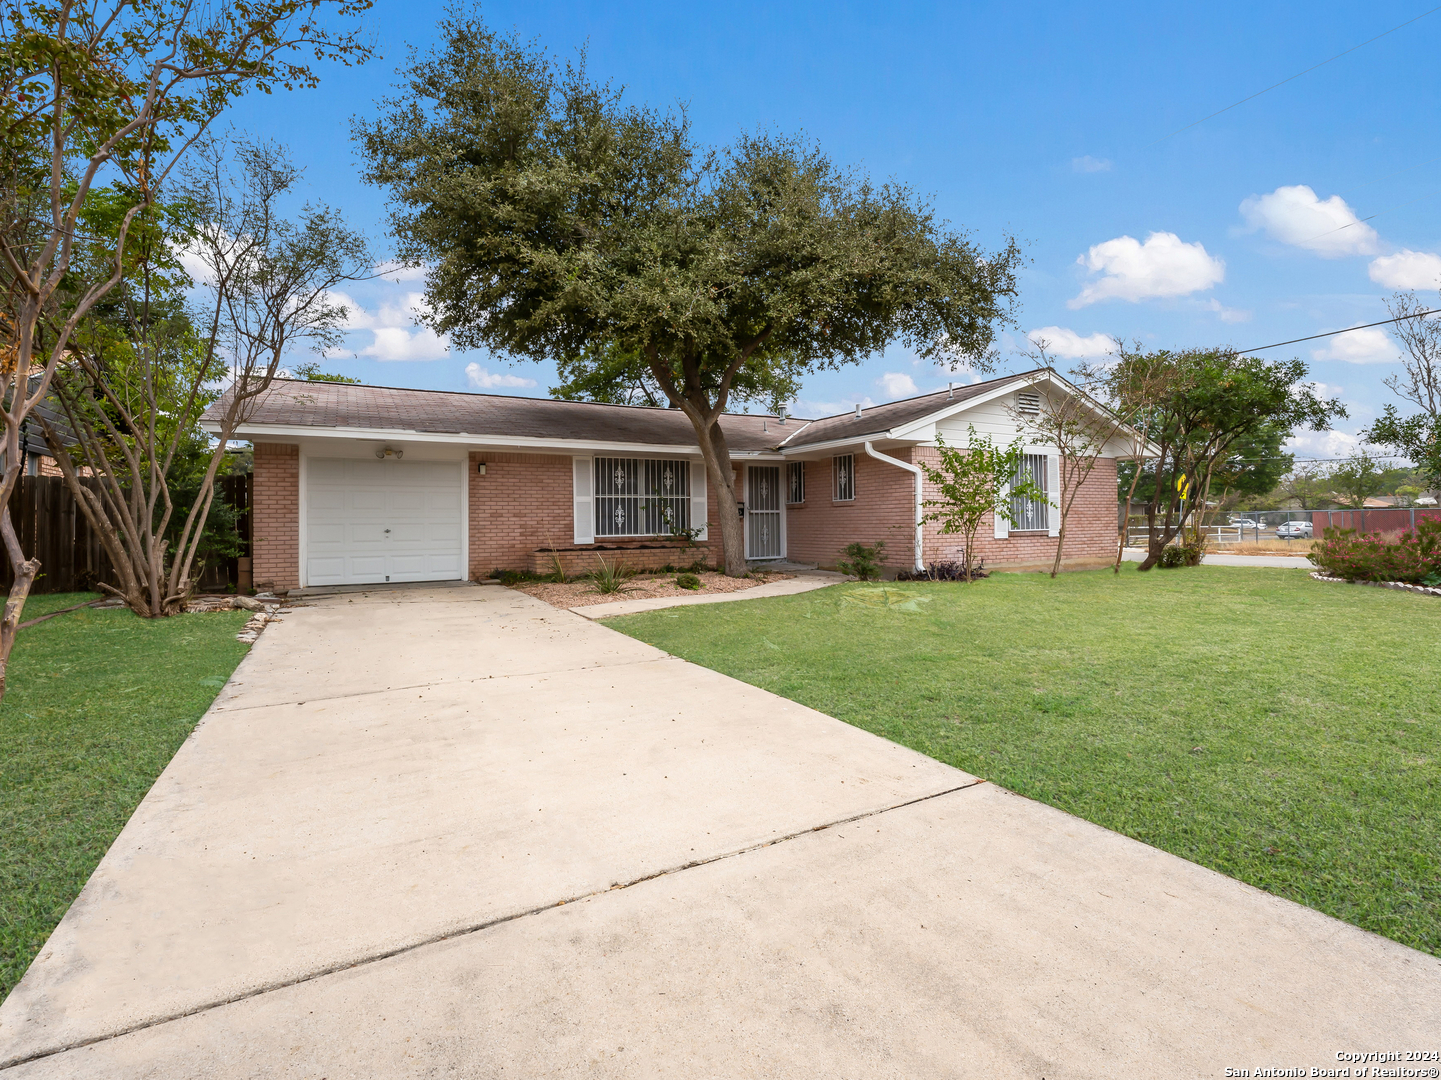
{"x":516,"y":442}
{"x":852,"y":441}
{"x":945,"y":413}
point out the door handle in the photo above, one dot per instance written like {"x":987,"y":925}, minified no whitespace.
{"x":387,"y":530}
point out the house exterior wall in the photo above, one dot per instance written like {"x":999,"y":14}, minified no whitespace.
{"x":819,"y":529}
{"x":883,"y":509}
{"x":275,"y":516}
{"x":523,"y":505}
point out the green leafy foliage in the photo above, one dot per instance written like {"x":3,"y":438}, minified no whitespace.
{"x":1412,"y":557}
{"x":687,"y":581}
{"x":1416,"y":437}
{"x":863,"y":560}
{"x":563,"y":224}
{"x":971,"y":483}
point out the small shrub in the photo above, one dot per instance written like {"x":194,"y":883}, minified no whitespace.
{"x":1412,"y":557}
{"x":946,"y":570}
{"x":862,"y":561}
{"x":557,"y":568}
{"x":700,"y":566}
{"x":611,"y":577}
{"x":1172,"y":556}
{"x":687,"y":581}
{"x":519,"y":577}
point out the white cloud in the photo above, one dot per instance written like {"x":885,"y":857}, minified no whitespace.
{"x":897,"y":384}
{"x":1322,"y":445}
{"x":1088,"y":164}
{"x":1162,"y":266}
{"x":486,"y":380}
{"x":1228,"y":314}
{"x":391,"y":270}
{"x":1369,"y":346}
{"x":1407,"y":270}
{"x":1070,"y":345}
{"x":1293,"y":215}
{"x":815,"y":410}
{"x":397,"y":335}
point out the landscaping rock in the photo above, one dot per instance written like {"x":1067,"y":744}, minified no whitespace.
{"x":249,"y":603}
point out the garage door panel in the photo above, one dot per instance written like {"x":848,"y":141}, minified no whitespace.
{"x":350,"y":505}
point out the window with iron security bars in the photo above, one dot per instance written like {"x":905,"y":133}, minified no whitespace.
{"x":1030,"y":514}
{"x":844,"y":467}
{"x":641,"y":497}
{"x":796,"y":482}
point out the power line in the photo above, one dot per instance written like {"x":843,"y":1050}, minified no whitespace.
{"x":1333,"y":333}
{"x":1360,"y":221}
{"x":1283,"y":82}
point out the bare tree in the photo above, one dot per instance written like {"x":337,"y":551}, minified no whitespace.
{"x":1419,"y":380}
{"x":270,"y":283}
{"x":118,"y":90}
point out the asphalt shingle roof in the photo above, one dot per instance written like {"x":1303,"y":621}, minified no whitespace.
{"x":296,"y":403}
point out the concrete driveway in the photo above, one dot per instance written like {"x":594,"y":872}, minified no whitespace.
{"x":456,"y":832}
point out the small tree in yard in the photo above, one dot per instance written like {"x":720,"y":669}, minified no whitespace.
{"x":1210,"y":402}
{"x":1079,"y":427}
{"x":559,"y":224}
{"x":1418,"y":436}
{"x":110,"y":93}
{"x":979,"y":480}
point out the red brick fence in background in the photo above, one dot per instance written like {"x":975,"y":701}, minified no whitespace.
{"x":52,"y":528}
{"x":1390,"y":519}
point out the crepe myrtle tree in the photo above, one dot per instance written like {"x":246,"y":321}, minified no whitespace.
{"x":558,"y":222}
{"x":970,"y":483}
{"x":113,"y":92}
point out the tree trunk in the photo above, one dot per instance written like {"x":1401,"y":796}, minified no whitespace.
{"x":722,"y":480}
{"x":25,"y":571}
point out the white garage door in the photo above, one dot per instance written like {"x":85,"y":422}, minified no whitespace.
{"x":375,"y":521}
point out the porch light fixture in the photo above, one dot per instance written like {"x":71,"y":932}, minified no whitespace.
{"x":389,"y":452}
{"x":480,"y":468}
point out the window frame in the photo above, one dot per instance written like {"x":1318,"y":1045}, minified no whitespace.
{"x":839,"y":486}
{"x":1024,"y":509}
{"x":633,"y":504}
{"x":795,"y":482}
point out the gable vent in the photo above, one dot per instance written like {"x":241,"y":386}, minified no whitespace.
{"x":1028,"y":404}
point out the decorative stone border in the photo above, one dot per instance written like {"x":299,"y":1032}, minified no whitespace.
{"x":1403,"y":586}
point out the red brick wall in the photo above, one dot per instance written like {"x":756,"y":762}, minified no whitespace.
{"x":524,"y":503}
{"x":275,"y":516}
{"x":820,"y":528}
{"x":1090,"y":529}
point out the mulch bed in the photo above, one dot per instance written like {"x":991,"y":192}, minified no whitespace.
{"x":642,"y":587}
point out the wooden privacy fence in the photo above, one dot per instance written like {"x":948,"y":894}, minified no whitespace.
{"x":52,"y":529}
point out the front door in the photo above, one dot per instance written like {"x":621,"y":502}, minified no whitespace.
{"x":763,"y":512}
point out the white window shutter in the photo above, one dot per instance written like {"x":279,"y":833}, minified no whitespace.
{"x":1003,"y":527}
{"x":1053,"y":493}
{"x":584,"y":473}
{"x":698,"y":505}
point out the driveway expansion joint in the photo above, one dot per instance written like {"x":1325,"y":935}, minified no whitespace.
{"x":466,"y":931}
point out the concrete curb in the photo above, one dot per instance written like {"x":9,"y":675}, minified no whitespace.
{"x":802,"y":582}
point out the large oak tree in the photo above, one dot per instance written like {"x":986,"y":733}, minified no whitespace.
{"x":558,"y":222}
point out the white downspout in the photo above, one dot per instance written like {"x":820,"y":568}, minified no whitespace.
{"x":914,"y":470}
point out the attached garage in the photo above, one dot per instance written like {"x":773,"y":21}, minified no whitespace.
{"x":372,"y":521}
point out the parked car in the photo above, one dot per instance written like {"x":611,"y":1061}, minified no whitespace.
{"x":1245,"y":523}
{"x":1293,"y":530}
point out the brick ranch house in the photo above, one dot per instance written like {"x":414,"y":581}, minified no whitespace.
{"x":364,"y":484}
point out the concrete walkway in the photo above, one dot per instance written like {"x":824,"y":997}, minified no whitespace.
{"x":1295,"y":562}
{"x":460,"y":833}
{"x":805,"y":581}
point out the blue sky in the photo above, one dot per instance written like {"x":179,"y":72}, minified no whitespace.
{"x":1050,"y":122}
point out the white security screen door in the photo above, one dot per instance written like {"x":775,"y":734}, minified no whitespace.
{"x":369,"y":522}
{"x":763,"y":512}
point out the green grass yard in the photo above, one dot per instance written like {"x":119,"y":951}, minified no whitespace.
{"x":98,"y":703}
{"x":1280,"y":730}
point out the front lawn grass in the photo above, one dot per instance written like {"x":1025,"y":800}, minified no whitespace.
{"x":98,"y":703}
{"x":1280,"y":730}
